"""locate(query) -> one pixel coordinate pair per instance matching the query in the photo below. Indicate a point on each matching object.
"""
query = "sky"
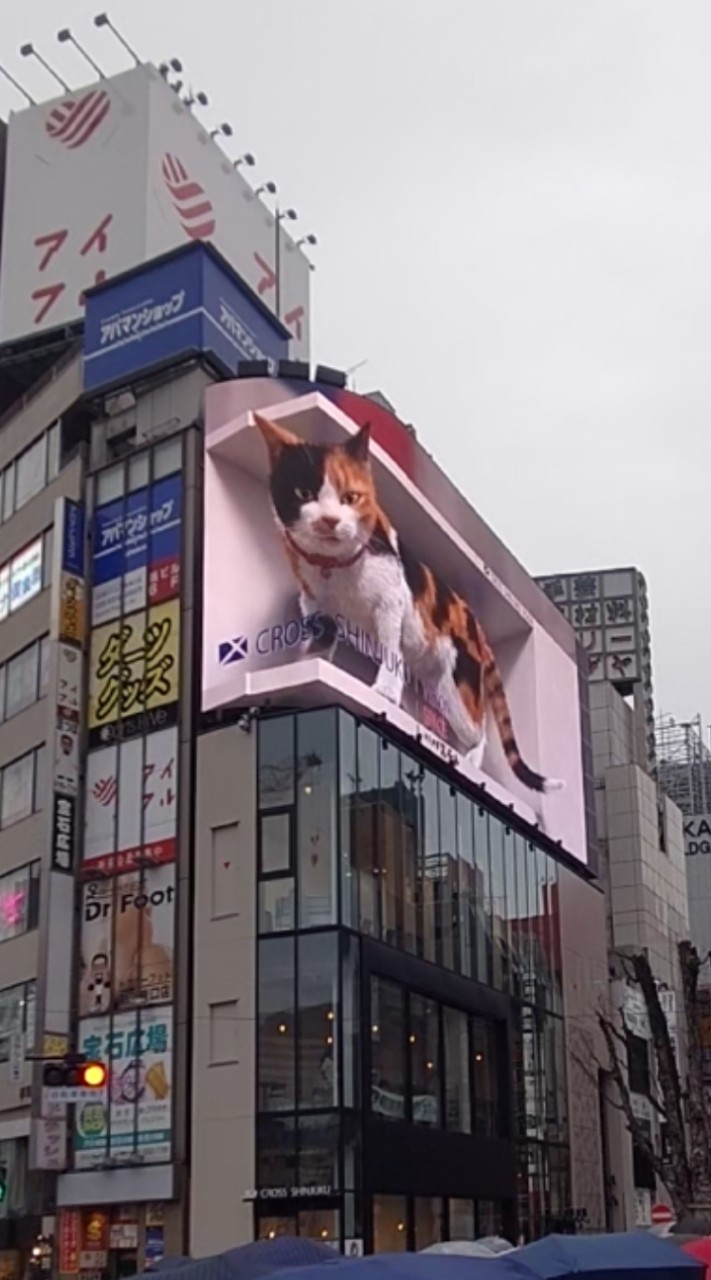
(512, 200)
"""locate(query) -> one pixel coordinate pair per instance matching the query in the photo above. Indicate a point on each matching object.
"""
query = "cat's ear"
(357, 446)
(276, 438)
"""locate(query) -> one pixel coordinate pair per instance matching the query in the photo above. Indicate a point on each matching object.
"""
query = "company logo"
(75, 120)
(105, 791)
(229, 651)
(192, 205)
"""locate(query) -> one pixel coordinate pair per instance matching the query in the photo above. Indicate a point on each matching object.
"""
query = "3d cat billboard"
(331, 576)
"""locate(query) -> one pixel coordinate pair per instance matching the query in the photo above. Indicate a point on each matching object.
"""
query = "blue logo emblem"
(229, 651)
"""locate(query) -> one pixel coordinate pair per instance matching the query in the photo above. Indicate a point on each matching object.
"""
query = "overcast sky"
(513, 206)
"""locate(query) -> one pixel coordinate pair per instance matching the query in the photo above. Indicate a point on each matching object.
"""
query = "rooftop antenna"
(16, 84)
(65, 36)
(29, 51)
(103, 20)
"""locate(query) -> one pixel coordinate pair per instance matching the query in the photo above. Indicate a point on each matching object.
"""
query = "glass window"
(366, 830)
(423, 1042)
(524, 938)
(512, 912)
(389, 844)
(348, 787)
(168, 457)
(318, 1021)
(41, 779)
(387, 1050)
(275, 843)
(318, 1150)
(277, 1025)
(44, 665)
(276, 1151)
(275, 1228)
(276, 762)
(498, 903)
(15, 903)
(316, 817)
(351, 1023)
(31, 471)
(410, 788)
(3, 677)
(320, 1224)
(431, 869)
(18, 789)
(389, 1224)
(54, 444)
(456, 1072)
(110, 484)
(461, 1220)
(486, 1076)
(33, 904)
(12, 1006)
(467, 888)
(138, 472)
(30, 1012)
(448, 938)
(483, 902)
(428, 1221)
(22, 680)
(276, 906)
(8, 494)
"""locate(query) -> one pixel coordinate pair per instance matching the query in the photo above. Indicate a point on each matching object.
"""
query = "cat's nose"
(328, 523)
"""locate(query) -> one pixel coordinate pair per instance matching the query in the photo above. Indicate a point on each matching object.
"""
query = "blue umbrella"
(639, 1255)
(417, 1266)
(251, 1261)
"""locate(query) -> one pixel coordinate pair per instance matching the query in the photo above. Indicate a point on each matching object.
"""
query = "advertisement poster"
(69, 1241)
(127, 926)
(362, 591)
(138, 1049)
(136, 550)
(93, 1255)
(120, 832)
(134, 674)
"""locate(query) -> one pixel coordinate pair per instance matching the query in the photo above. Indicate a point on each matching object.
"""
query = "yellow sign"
(54, 1046)
(135, 665)
(71, 609)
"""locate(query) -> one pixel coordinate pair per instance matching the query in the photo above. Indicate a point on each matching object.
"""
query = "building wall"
(224, 1047)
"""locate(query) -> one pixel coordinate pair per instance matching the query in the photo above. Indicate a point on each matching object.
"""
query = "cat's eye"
(350, 497)
(304, 495)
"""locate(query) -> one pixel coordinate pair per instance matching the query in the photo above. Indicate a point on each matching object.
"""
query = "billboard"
(697, 847)
(21, 578)
(362, 591)
(610, 612)
(127, 941)
(136, 550)
(190, 301)
(131, 804)
(134, 671)
(110, 176)
(132, 1116)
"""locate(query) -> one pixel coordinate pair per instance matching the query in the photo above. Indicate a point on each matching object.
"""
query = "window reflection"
(366, 831)
(423, 1042)
(318, 1025)
(389, 1224)
(456, 1071)
(428, 1221)
(277, 1025)
(316, 817)
(348, 776)
(486, 1076)
(387, 1050)
(389, 841)
(483, 897)
(461, 1220)
(276, 762)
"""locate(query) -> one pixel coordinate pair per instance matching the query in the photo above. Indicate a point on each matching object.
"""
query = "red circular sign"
(661, 1214)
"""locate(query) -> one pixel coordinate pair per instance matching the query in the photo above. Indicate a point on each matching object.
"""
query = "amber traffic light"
(63, 1074)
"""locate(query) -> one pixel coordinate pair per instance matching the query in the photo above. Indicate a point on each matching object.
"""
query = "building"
(340, 968)
(641, 854)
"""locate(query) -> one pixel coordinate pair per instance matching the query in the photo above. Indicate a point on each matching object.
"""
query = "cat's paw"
(389, 686)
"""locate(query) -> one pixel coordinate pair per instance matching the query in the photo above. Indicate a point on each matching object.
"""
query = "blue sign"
(73, 543)
(136, 549)
(186, 303)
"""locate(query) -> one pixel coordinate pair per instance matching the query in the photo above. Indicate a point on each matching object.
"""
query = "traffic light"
(71, 1075)
(3, 1184)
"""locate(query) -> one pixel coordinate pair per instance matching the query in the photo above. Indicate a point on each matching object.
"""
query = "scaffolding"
(684, 763)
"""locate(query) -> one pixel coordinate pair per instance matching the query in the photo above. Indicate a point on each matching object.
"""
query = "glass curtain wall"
(358, 837)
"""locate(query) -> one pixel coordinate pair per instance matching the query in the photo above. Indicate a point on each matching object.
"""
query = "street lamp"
(16, 85)
(65, 36)
(281, 215)
(224, 130)
(29, 51)
(247, 159)
(103, 20)
(268, 187)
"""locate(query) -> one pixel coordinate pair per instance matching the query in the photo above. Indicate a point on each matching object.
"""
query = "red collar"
(325, 563)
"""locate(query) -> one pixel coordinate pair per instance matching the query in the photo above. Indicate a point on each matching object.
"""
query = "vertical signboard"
(127, 911)
(48, 1146)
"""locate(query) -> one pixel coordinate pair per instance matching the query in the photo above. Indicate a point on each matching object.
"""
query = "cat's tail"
(499, 704)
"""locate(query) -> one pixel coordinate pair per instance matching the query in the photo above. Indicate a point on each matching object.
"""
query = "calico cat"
(347, 560)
